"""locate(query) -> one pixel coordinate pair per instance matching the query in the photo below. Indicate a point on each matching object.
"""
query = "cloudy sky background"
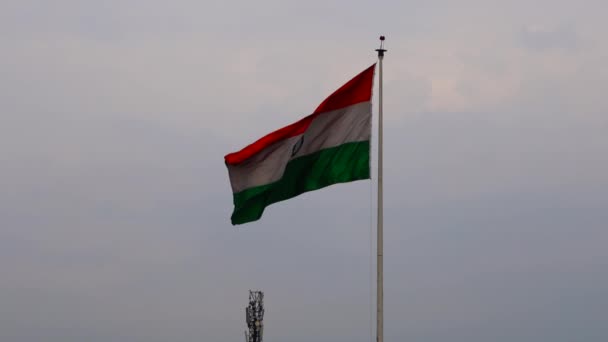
(114, 200)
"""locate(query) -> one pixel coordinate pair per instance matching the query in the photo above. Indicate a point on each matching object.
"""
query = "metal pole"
(380, 241)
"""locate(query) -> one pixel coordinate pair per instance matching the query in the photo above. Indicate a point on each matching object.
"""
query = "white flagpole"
(380, 242)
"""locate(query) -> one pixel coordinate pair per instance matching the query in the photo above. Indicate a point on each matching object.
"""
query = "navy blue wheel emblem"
(298, 145)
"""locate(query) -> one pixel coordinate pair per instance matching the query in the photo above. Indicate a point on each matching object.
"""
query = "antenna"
(254, 317)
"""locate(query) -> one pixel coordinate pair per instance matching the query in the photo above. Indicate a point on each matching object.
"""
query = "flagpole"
(380, 239)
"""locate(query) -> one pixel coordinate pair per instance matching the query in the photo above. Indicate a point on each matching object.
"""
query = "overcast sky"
(115, 116)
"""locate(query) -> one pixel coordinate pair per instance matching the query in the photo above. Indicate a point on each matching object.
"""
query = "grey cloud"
(564, 37)
(115, 203)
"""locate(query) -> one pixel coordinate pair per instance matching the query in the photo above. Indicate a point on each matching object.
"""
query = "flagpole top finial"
(381, 50)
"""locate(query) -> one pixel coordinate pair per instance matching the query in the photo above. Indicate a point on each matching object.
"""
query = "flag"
(329, 146)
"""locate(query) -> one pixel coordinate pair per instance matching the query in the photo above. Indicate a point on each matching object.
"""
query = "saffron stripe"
(358, 89)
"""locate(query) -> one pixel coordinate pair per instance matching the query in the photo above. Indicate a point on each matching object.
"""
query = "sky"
(115, 116)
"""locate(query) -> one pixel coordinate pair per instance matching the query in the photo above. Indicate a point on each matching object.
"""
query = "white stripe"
(331, 129)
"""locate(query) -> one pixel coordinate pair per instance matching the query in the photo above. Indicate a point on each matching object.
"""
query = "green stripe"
(344, 163)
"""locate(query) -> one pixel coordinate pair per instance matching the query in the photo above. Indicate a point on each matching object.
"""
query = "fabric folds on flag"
(330, 146)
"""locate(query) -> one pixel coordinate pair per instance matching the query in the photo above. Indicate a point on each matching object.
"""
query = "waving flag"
(330, 146)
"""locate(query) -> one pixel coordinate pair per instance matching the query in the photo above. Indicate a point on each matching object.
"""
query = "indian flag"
(331, 145)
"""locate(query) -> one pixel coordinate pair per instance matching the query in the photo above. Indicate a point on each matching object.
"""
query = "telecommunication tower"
(254, 315)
